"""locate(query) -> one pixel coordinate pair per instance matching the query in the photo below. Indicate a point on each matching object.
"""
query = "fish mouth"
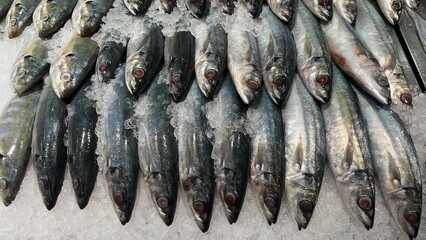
(5, 193)
(202, 214)
(165, 208)
(49, 197)
(232, 204)
(123, 206)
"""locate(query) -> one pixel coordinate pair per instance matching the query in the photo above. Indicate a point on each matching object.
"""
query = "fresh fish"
(420, 24)
(254, 7)
(305, 152)
(267, 156)
(144, 56)
(76, 60)
(120, 151)
(16, 124)
(284, 9)
(49, 152)
(278, 57)
(210, 59)
(231, 148)
(348, 150)
(396, 165)
(4, 7)
(228, 6)
(347, 9)
(20, 16)
(50, 15)
(244, 64)
(372, 30)
(196, 168)
(168, 5)
(158, 155)
(323, 9)
(391, 9)
(110, 56)
(179, 58)
(313, 56)
(82, 143)
(137, 7)
(31, 67)
(198, 8)
(87, 15)
(411, 3)
(351, 56)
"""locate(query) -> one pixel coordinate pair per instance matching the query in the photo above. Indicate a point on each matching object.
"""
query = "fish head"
(208, 77)
(46, 18)
(381, 89)
(277, 79)
(178, 80)
(136, 73)
(168, 5)
(254, 7)
(325, 9)
(66, 75)
(17, 19)
(87, 19)
(284, 9)
(350, 11)
(82, 181)
(8, 180)
(198, 8)
(228, 6)
(393, 11)
(105, 68)
(248, 83)
(318, 80)
(136, 7)
(25, 72)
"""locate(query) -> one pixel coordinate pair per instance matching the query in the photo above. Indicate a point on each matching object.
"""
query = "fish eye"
(66, 76)
(397, 6)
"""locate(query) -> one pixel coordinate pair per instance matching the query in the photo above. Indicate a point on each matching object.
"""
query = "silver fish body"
(420, 24)
(198, 8)
(137, 7)
(323, 9)
(347, 9)
(305, 152)
(20, 16)
(391, 9)
(284, 9)
(76, 59)
(87, 15)
(4, 7)
(313, 56)
(110, 56)
(413, 4)
(210, 59)
(16, 124)
(348, 150)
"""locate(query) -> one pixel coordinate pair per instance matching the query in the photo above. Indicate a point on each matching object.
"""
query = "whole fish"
(168, 5)
(87, 15)
(16, 124)
(20, 16)
(179, 58)
(420, 24)
(196, 168)
(4, 7)
(347, 9)
(75, 61)
(313, 56)
(158, 155)
(278, 57)
(323, 9)
(244, 64)
(372, 30)
(82, 143)
(137, 7)
(210, 59)
(228, 6)
(267, 158)
(351, 56)
(284, 9)
(31, 67)
(305, 152)
(50, 15)
(348, 150)
(396, 165)
(391, 9)
(411, 3)
(231, 148)
(144, 56)
(120, 151)
(110, 56)
(49, 152)
(254, 7)
(198, 8)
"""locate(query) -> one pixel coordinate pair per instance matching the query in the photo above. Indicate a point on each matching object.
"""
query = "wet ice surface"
(27, 217)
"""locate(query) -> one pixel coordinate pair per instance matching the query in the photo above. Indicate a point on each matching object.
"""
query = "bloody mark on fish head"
(230, 199)
(324, 3)
(253, 85)
(162, 202)
(406, 99)
(365, 203)
(175, 79)
(323, 80)
(411, 218)
(199, 207)
(339, 60)
(3, 184)
(193, 1)
(269, 202)
(103, 67)
(210, 74)
(223, 1)
(138, 73)
(186, 186)
(306, 207)
(120, 200)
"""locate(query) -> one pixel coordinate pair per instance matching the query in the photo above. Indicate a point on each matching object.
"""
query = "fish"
(348, 150)
(4, 7)
(82, 143)
(347, 9)
(179, 58)
(284, 9)
(157, 147)
(305, 152)
(413, 4)
(31, 67)
(313, 55)
(372, 30)
(144, 57)
(391, 9)
(355, 60)
(120, 151)
(50, 15)
(196, 167)
(420, 24)
(198, 8)
(137, 7)
(87, 15)
(228, 6)
(168, 5)
(231, 148)
(322, 9)
(111, 54)
(19, 16)
(48, 150)
(210, 59)
(396, 165)
(244, 64)
(16, 124)
(267, 158)
(76, 59)
(278, 57)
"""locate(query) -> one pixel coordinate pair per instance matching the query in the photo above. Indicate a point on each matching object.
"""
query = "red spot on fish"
(199, 207)
(230, 199)
(323, 80)
(193, 1)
